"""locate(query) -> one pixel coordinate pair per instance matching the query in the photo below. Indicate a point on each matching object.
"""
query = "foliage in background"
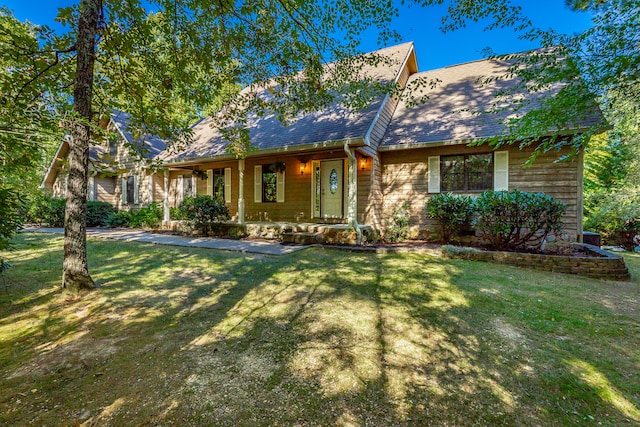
(452, 212)
(512, 220)
(398, 228)
(45, 209)
(204, 211)
(23, 146)
(617, 216)
(11, 206)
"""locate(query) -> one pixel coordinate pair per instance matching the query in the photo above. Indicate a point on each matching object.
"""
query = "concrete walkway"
(134, 235)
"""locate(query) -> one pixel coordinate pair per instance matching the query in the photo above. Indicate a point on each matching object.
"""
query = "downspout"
(352, 201)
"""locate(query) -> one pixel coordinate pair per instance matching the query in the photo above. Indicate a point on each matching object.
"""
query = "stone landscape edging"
(603, 265)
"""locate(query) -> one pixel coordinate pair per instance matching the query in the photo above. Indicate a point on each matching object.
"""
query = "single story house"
(337, 166)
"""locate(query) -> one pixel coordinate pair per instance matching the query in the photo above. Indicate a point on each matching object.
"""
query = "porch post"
(167, 216)
(241, 191)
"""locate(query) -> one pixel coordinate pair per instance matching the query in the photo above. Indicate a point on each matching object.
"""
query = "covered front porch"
(290, 197)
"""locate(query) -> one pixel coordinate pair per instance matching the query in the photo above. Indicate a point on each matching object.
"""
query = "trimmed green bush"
(118, 219)
(48, 210)
(452, 212)
(512, 220)
(97, 213)
(204, 211)
(149, 217)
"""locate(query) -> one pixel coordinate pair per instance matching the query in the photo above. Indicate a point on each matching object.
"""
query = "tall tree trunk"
(75, 271)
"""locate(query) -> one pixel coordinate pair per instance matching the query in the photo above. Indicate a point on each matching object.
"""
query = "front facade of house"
(336, 166)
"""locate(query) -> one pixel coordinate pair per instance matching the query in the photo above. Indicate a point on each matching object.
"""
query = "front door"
(331, 186)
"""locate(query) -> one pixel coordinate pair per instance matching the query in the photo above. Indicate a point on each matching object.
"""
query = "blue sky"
(420, 25)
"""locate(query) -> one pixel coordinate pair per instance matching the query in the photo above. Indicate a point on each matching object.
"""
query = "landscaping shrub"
(617, 217)
(398, 230)
(176, 214)
(453, 213)
(48, 210)
(204, 211)
(512, 220)
(117, 219)
(97, 213)
(149, 217)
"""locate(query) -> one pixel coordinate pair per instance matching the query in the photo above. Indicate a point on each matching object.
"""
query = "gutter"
(314, 146)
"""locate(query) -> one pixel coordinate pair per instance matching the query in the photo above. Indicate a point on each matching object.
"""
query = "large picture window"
(466, 172)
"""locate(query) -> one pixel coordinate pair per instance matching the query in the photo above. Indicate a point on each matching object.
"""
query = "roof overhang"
(290, 149)
(467, 141)
(49, 176)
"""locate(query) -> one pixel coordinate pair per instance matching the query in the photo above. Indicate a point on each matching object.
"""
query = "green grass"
(178, 336)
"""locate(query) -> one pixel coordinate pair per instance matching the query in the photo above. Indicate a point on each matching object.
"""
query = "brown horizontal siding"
(105, 189)
(405, 179)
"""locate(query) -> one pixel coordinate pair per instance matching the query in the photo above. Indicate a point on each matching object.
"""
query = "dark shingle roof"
(332, 124)
(451, 112)
(151, 144)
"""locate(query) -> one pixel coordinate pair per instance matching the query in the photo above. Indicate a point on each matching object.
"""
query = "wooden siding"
(405, 179)
(297, 204)
(105, 189)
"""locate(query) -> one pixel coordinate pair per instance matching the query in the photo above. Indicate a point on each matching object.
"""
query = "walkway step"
(301, 238)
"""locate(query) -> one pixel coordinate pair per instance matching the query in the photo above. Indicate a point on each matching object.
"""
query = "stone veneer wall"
(602, 265)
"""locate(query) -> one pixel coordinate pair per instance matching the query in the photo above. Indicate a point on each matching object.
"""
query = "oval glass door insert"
(333, 181)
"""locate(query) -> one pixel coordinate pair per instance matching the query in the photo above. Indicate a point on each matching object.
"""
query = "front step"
(301, 238)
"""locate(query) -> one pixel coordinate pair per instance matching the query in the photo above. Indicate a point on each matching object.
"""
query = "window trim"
(466, 173)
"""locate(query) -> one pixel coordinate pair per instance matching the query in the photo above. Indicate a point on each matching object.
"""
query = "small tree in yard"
(512, 220)
(204, 211)
(398, 229)
(450, 211)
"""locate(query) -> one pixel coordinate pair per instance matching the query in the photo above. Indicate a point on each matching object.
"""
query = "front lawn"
(179, 336)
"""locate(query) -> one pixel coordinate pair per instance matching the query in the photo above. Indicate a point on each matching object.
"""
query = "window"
(130, 190)
(187, 186)
(217, 180)
(269, 185)
(466, 172)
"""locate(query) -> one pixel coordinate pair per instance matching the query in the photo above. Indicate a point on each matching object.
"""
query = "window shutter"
(501, 171)
(124, 190)
(92, 189)
(434, 174)
(136, 190)
(257, 184)
(209, 182)
(151, 188)
(194, 186)
(227, 185)
(280, 187)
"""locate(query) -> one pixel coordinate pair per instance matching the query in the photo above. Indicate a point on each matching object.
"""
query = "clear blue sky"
(420, 25)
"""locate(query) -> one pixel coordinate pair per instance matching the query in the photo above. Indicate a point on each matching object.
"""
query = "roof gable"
(335, 123)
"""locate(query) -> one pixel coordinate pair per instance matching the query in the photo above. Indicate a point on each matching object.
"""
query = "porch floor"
(289, 232)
